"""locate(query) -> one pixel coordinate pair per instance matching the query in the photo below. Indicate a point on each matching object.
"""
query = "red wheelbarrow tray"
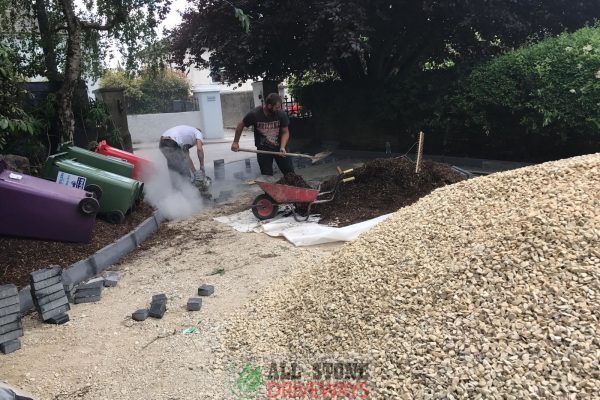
(288, 194)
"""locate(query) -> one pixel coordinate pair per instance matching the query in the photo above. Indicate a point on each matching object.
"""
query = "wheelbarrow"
(266, 205)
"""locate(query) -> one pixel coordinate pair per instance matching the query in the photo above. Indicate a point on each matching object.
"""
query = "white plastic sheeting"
(298, 233)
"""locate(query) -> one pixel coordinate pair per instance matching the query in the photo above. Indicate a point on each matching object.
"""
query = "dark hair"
(272, 99)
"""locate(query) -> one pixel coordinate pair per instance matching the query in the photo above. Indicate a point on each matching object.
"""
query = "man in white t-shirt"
(175, 144)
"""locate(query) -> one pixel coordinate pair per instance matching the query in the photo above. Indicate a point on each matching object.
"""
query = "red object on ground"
(141, 166)
(288, 194)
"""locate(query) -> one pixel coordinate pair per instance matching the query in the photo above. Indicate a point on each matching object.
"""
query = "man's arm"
(238, 134)
(189, 162)
(285, 137)
(200, 152)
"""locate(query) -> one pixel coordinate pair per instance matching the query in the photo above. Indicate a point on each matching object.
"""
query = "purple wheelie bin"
(40, 209)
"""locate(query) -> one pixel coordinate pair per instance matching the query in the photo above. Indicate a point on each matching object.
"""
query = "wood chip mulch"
(19, 257)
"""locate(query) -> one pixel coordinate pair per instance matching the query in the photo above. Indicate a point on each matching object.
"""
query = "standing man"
(271, 133)
(175, 145)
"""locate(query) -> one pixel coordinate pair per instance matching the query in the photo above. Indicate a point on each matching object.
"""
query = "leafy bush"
(546, 94)
(151, 91)
(18, 130)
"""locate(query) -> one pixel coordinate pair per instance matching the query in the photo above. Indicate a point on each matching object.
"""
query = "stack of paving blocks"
(89, 292)
(10, 319)
(48, 294)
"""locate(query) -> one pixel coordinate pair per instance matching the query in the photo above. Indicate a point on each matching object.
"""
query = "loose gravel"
(488, 288)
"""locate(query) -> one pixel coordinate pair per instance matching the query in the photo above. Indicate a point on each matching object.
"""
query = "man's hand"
(282, 151)
(199, 175)
(235, 146)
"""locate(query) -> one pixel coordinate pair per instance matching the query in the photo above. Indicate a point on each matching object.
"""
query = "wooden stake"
(420, 152)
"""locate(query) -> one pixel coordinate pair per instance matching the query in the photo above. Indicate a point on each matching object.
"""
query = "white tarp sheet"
(298, 233)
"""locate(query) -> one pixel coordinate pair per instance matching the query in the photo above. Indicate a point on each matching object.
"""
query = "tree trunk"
(66, 119)
(47, 40)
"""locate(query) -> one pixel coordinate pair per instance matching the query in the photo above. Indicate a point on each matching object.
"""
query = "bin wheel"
(89, 206)
(95, 190)
(115, 217)
(264, 207)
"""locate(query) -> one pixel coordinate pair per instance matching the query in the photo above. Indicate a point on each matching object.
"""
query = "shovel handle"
(275, 153)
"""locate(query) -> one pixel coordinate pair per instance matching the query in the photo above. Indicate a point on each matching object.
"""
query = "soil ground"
(19, 257)
(103, 354)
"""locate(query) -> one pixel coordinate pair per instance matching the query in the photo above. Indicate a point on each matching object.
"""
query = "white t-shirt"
(184, 135)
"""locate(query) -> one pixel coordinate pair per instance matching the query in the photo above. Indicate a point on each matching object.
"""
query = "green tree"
(59, 40)
(361, 40)
(549, 89)
(14, 121)
(149, 91)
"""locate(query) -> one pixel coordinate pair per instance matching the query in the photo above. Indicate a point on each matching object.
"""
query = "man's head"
(272, 103)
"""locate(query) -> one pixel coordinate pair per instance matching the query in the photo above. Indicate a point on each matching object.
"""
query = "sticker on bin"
(74, 181)
(15, 176)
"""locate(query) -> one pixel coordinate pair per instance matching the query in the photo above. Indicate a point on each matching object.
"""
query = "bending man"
(175, 145)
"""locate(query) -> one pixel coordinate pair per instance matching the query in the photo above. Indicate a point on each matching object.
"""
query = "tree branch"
(96, 26)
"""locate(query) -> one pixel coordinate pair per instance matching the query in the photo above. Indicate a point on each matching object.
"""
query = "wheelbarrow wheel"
(264, 207)
(95, 190)
(115, 217)
(89, 206)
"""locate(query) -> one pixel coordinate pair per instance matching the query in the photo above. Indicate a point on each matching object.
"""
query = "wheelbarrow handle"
(275, 153)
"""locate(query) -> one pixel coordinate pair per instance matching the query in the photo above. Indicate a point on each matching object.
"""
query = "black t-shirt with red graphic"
(267, 129)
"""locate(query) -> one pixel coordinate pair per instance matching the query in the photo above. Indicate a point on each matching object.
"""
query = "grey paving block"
(206, 290)
(7, 319)
(194, 304)
(8, 290)
(92, 283)
(112, 253)
(25, 299)
(53, 313)
(39, 293)
(157, 310)
(111, 280)
(46, 283)
(159, 217)
(11, 335)
(9, 301)
(46, 273)
(80, 271)
(89, 292)
(58, 320)
(15, 308)
(50, 298)
(145, 229)
(10, 347)
(53, 305)
(13, 326)
(159, 298)
(140, 315)
(89, 299)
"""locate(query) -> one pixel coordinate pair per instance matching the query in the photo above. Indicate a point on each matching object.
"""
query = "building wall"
(234, 106)
(146, 128)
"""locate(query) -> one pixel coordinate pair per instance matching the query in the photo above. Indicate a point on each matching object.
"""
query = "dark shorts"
(176, 161)
(265, 162)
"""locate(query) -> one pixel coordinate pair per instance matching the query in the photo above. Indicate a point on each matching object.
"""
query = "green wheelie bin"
(93, 159)
(117, 194)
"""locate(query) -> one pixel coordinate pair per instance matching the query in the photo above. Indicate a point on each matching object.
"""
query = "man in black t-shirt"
(271, 133)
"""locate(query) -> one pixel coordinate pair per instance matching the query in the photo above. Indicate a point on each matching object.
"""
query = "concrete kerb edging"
(100, 260)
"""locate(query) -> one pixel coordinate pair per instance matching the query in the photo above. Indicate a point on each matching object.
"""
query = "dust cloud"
(173, 196)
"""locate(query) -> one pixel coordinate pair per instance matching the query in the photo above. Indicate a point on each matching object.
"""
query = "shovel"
(317, 157)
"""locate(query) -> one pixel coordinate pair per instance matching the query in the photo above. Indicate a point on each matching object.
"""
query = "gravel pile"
(487, 288)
